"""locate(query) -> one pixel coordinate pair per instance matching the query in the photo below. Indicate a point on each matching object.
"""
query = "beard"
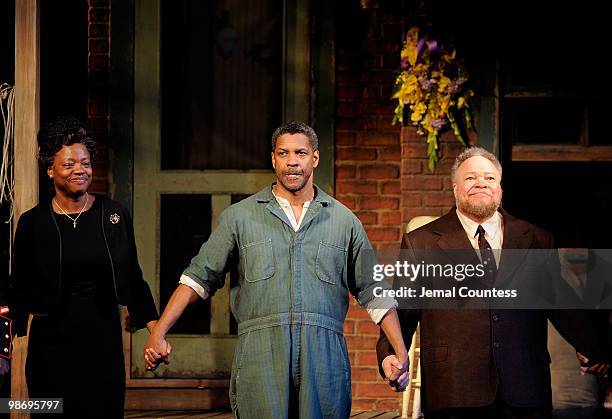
(480, 211)
(293, 187)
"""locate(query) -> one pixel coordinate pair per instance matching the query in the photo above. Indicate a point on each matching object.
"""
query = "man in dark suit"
(484, 363)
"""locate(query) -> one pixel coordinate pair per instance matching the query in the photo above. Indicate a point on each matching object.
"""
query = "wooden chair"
(413, 391)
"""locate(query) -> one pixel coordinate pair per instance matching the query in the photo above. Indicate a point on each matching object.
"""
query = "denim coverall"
(290, 303)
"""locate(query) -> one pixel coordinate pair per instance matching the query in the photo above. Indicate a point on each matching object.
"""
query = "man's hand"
(600, 370)
(151, 326)
(396, 371)
(608, 398)
(157, 350)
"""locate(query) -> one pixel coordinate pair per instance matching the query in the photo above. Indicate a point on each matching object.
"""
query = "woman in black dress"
(74, 262)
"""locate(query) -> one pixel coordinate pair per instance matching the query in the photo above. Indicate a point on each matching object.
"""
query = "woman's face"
(71, 170)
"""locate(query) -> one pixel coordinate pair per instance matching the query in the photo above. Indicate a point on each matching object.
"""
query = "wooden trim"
(552, 94)
(296, 86)
(487, 121)
(176, 399)
(27, 87)
(178, 383)
(121, 135)
(27, 101)
(561, 153)
(323, 92)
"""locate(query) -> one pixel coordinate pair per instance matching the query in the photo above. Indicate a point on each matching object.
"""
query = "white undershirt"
(286, 207)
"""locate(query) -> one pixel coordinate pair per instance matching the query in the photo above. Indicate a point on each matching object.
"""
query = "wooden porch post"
(27, 82)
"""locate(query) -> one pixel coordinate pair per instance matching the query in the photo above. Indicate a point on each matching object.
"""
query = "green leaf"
(468, 120)
(457, 132)
(398, 114)
(433, 161)
(432, 151)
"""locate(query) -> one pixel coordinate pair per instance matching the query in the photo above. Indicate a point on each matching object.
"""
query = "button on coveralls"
(290, 303)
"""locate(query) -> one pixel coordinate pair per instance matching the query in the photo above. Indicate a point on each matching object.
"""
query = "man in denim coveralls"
(299, 252)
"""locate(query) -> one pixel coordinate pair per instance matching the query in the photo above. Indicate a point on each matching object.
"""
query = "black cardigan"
(36, 280)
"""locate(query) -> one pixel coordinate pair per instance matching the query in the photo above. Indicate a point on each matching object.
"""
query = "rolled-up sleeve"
(209, 266)
(362, 284)
(185, 280)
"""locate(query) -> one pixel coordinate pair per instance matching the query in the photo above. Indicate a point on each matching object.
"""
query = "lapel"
(518, 237)
(453, 240)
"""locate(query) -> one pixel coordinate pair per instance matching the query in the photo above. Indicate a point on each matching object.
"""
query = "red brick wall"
(381, 174)
(98, 88)
(423, 192)
(368, 174)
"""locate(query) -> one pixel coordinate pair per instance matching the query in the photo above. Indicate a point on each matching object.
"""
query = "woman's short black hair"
(61, 131)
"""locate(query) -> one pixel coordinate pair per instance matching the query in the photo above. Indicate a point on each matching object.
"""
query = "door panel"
(177, 155)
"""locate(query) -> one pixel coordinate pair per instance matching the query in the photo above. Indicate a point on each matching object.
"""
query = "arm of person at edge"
(157, 348)
(599, 320)
(396, 367)
(389, 361)
(599, 369)
(583, 329)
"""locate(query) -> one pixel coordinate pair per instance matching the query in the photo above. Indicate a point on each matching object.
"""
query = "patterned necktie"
(486, 254)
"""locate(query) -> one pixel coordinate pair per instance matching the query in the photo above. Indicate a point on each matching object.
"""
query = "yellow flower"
(444, 81)
(445, 104)
(417, 111)
(424, 87)
(410, 49)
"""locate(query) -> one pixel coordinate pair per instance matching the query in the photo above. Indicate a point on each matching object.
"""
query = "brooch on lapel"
(114, 218)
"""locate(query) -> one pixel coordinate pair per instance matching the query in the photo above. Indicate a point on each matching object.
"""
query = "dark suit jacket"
(468, 355)
(36, 280)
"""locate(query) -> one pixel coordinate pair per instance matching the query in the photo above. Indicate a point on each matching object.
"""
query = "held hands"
(608, 399)
(396, 369)
(157, 349)
(600, 370)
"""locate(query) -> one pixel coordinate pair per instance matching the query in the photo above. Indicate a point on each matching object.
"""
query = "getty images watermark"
(520, 279)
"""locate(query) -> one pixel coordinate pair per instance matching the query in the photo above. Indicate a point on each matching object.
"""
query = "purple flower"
(455, 85)
(425, 83)
(405, 64)
(437, 124)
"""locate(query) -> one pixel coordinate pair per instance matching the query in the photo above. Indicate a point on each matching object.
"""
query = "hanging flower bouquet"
(433, 92)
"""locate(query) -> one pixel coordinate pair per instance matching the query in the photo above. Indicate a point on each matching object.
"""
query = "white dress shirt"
(494, 232)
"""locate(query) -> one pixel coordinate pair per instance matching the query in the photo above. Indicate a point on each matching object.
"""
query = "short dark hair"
(61, 131)
(296, 127)
(473, 152)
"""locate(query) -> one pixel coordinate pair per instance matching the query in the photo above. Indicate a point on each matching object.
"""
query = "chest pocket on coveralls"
(330, 262)
(258, 260)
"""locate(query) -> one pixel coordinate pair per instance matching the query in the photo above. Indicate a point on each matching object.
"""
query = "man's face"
(293, 160)
(477, 188)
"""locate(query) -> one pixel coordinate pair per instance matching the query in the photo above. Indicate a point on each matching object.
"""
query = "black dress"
(76, 352)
